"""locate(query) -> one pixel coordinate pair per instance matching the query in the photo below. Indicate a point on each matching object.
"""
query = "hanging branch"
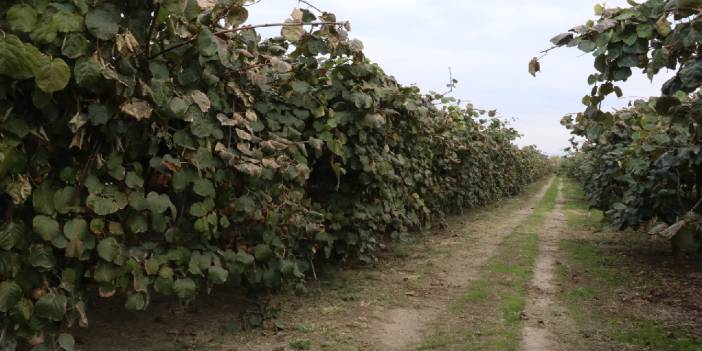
(238, 29)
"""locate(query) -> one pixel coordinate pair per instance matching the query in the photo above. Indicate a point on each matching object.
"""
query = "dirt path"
(546, 320)
(392, 306)
(474, 243)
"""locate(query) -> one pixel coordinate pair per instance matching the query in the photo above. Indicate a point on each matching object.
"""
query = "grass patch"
(301, 344)
(496, 300)
(435, 342)
(581, 293)
(650, 336)
(602, 267)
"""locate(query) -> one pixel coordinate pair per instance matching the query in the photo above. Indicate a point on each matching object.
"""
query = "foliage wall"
(162, 147)
(643, 162)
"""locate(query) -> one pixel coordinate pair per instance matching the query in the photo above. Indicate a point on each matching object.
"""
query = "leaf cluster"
(160, 147)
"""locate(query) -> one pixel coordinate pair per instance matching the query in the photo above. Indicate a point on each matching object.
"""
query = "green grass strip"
(496, 300)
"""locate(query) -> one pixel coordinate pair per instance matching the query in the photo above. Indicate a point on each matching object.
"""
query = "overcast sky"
(488, 45)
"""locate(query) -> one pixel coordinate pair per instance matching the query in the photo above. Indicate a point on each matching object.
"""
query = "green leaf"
(102, 206)
(175, 7)
(11, 232)
(17, 127)
(263, 252)
(587, 46)
(184, 289)
(52, 307)
(245, 204)
(207, 43)
(67, 22)
(138, 224)
(19, 60)
(244, 258)
(67, 342)
(46, 227)
(151, 266)
(237, 15)
(10, 295)
(103, 22)
(622, 73)
(64, 200)
(293, 33)
(41, 256)
(44, 33)
(217, 275)
(644, 31)
(43, 199)
(76, 229)
(98, 114)
(87, 72)
(201, 209)
(663, 26)
(135, 302)
(22, 18)
(164, 286)
(134, 181)
(54, 76)
(10, 264)
(184, 139)
(204, 188)
(75, 45)
(109, 250)
(159, 203)
(23, 309)
(178, 106)
(104, 272)
(300, 86)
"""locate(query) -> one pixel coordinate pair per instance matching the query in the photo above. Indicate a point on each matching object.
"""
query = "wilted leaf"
(138, 109)
(292, 32)
(534, 66)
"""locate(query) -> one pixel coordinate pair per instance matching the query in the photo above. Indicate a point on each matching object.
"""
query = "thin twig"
(545, 52)
(84, 173)
(238, 29)
(451, 84)
(151, 29)
(314, 271)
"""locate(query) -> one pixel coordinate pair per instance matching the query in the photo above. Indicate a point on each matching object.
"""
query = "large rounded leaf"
(54, 76)
(52, 307)
(11, 233)
(103, 22)
(109, 249)
(46, 227)
(41, 256)
(184, 288)
(10, 294)
(22, 18)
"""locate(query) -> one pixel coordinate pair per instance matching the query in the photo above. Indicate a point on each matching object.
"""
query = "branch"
(151, 29)
(238, 29)
(545, 52)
